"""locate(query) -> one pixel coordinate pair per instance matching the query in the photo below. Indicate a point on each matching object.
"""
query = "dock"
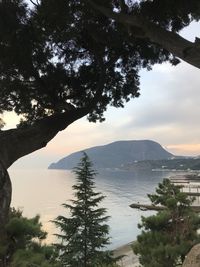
(145, 207)
(188, 184)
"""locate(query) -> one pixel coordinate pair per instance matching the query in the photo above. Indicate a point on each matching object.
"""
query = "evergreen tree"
(84, 234)
(23, 244)
(167, 236)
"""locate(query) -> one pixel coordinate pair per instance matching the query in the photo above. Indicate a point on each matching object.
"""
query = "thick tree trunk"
(16, 143)
(171, 41)
(5, 199)
(5, 194)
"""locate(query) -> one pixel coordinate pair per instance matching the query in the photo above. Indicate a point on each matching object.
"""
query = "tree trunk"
(16, 143)
(5, 199)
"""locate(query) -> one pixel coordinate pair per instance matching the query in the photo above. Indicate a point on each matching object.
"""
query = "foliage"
(39, 256)
(167, 236)
(171, 15)
(84, 234)
(23, 247)
(59, 55)
(49, 67)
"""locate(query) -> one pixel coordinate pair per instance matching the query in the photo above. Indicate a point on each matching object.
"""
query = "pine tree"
(84, 234)
(23, 246)
(167, 236)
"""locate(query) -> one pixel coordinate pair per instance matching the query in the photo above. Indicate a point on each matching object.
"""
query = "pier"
(145, 207)
(188, 184)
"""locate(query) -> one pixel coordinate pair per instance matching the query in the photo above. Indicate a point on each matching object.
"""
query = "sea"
(42, 191)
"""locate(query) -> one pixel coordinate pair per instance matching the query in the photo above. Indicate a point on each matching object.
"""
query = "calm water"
(43, 191)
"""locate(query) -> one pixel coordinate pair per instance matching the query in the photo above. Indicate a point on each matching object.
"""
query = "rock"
(193, 257)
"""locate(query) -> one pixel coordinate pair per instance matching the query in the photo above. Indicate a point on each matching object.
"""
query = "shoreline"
(130, 259)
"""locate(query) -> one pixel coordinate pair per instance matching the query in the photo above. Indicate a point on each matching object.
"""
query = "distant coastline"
(174, 170)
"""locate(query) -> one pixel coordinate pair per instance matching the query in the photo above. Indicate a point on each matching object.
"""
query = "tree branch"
(16, 143)
(171, 41)
(35, 4)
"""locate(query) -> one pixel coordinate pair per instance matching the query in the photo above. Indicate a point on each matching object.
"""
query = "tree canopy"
(61, 55)
(156, 23)
(51, 60)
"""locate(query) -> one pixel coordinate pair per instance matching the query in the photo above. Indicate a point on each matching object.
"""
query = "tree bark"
(171, 41)
(5, 199)
(16, 143)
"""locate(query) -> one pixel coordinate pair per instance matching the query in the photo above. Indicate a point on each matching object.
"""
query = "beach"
(130, 259)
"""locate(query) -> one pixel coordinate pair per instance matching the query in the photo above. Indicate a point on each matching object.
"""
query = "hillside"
(116, 155)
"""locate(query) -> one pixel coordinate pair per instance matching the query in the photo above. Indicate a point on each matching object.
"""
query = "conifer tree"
(168, 236)
(84, 234)
(23, 246)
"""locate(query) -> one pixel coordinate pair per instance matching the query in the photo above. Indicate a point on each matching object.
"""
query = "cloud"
(171, 102)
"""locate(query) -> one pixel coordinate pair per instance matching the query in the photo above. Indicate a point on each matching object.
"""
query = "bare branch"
(34, 3)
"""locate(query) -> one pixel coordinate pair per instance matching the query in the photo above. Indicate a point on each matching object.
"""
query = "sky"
(167, 112)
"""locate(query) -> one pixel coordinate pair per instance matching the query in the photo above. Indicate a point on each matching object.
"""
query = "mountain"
(116, 155)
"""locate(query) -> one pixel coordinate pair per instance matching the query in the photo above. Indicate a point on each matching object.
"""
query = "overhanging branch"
(16, 143)
(171, 41)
